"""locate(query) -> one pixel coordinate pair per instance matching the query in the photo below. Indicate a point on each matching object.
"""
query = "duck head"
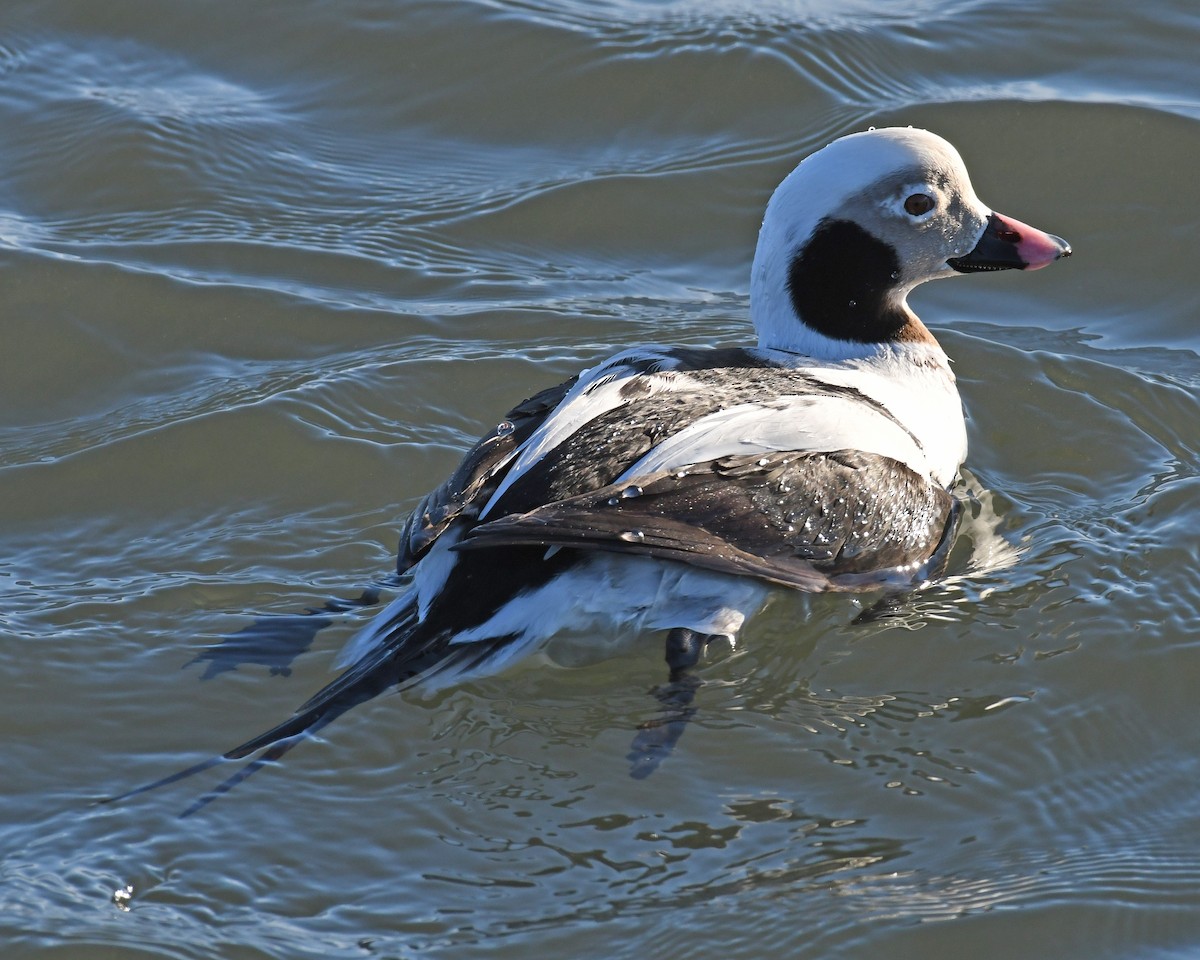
(859, 224)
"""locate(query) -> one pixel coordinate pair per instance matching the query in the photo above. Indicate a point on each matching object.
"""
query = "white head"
(861, 222)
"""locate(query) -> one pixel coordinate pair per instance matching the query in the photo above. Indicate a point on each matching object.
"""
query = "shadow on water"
(276, 640)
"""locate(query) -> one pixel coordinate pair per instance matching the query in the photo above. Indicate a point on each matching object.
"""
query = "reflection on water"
(266, 276)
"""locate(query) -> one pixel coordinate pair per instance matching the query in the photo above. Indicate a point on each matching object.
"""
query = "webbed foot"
(656, 738)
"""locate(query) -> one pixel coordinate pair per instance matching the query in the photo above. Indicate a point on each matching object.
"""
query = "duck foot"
(656, 738)
(891, 606)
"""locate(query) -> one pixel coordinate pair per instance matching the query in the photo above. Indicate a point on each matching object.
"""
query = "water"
(269, 268)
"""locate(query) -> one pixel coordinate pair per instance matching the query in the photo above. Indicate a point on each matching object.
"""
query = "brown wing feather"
(830, 521)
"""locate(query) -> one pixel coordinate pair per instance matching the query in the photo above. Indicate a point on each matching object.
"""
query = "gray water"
(269, 268)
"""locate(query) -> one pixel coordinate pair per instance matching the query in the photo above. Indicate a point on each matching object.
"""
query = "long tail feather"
(400, 655)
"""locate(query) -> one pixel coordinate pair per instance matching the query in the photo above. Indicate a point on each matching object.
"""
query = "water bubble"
(633, 536)
(122, 896)
(613, 501)
(504, 428)
(633, 490)
(853, 303)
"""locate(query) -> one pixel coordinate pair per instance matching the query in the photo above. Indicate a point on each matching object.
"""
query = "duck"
(673, 489)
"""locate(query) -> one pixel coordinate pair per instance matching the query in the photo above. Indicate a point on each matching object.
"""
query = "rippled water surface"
(268, 268)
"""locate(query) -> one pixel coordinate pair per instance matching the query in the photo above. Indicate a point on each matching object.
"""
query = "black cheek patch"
(839, 281)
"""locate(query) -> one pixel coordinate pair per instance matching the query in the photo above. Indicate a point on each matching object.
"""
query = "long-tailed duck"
(671, 488)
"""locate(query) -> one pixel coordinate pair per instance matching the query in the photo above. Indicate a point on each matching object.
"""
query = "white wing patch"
(808, 422)
(598, 391)
(920, 395)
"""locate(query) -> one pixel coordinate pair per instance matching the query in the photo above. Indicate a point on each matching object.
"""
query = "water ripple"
(270, 268)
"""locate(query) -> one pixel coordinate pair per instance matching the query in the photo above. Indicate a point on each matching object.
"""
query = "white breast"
(917, 387)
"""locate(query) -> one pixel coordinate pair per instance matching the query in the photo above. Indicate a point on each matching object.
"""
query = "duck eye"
(918, 204)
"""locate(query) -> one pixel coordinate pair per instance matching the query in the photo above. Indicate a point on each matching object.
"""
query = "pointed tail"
(400, 653)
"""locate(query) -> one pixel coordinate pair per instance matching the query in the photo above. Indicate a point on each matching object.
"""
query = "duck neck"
(840, 295)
